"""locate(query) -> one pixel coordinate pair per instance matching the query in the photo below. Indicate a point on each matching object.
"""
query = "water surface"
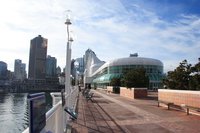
(14, 111)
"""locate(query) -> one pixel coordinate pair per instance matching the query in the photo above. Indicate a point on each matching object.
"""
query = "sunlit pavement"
(112, 113)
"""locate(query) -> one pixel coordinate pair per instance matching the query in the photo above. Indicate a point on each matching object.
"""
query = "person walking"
(89, 87)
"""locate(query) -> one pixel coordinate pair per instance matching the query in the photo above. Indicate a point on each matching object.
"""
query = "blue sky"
(167, 30)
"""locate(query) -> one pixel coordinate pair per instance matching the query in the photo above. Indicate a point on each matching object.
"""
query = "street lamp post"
(77, 78)
(67, 18)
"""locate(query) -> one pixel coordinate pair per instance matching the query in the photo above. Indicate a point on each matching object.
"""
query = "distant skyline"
(167, 30)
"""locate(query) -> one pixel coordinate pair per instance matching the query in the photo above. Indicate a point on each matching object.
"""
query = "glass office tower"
(51, 63)
(3, 69)
(37, 58)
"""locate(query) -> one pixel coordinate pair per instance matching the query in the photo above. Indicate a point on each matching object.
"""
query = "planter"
(110, 88)
(113, 89)
(133, 92)
(181, 98)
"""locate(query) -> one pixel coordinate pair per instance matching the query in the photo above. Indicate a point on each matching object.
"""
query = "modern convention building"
(115, 68)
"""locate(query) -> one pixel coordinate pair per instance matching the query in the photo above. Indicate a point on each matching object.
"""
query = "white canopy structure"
(92, 64)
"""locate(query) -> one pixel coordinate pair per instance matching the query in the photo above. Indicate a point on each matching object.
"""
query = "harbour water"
(14, 111)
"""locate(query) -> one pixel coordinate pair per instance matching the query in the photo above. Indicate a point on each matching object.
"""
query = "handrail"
(56, 118)
(48, 114)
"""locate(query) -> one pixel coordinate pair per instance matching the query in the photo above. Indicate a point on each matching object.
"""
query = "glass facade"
(51, 63)
(123, 68)
(155, 73)
(3, 69)
(37, 58)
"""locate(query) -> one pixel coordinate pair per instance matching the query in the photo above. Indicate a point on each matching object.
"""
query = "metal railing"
(56, 117)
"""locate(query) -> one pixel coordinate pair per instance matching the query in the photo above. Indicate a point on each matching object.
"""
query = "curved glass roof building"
(115, 68)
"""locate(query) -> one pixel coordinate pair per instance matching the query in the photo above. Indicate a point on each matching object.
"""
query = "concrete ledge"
(179, 91)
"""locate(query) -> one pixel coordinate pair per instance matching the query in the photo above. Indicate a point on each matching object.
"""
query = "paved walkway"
(111, 113)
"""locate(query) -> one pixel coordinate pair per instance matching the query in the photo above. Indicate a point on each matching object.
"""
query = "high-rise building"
(51, 63)
(3, 69)
(58, 70)
(80, 67)
(19, 70)
(73, 69)
(24, 70)
(37, 58)
(81, 64)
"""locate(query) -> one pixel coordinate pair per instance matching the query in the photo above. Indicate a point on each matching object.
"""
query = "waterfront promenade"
(112, 113)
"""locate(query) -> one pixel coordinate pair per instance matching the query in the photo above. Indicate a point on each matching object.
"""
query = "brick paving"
(112, 113)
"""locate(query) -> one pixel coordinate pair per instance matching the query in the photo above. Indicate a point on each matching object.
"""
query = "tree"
(180, 77)
(116, 81)
(194, 82)
(136, 78)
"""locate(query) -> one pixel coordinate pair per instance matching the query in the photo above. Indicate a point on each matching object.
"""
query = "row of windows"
(149, 69)
(121, 69)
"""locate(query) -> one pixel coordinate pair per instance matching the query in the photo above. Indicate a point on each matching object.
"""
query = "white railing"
(56, 117)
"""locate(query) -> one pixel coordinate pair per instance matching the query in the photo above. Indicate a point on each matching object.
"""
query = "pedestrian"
(79, 87)
(89, 87)
(86, 90)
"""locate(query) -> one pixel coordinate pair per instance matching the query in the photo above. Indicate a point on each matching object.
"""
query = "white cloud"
(109, 28)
